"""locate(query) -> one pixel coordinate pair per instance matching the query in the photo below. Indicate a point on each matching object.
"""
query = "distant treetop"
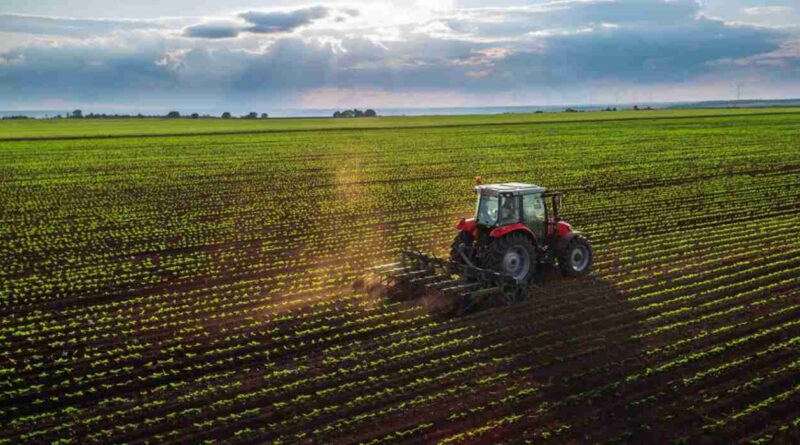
(355, 112)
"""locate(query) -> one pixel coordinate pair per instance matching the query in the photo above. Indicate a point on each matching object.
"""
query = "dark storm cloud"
(276, 22)
(67, 27)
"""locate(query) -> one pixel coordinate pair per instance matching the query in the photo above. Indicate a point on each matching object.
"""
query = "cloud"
(282, 21)
(638, 54)
(570, 15)
(767, 10)
(213, 30)
(68, 27)
(258, 22)
(783, 63)
(85, 73)
(352, 12)
(553, 48)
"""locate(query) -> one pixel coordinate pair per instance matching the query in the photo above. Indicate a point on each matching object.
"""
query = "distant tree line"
(355, 112)
(78, 114)
(635, 108)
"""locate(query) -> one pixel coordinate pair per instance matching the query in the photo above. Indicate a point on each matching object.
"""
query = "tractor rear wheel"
(512, 255)
(576, 259)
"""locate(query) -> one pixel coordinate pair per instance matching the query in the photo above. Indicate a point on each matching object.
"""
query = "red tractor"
(516, 233)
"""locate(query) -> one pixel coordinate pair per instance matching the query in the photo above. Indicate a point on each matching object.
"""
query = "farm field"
(195, 285)
(70, 128)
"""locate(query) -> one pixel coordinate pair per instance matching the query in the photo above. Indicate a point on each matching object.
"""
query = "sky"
(153, 55)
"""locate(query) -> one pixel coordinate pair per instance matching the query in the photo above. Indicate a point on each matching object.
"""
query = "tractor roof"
(515, 188)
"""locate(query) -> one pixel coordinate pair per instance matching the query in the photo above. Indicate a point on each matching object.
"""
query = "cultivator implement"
(448, 285)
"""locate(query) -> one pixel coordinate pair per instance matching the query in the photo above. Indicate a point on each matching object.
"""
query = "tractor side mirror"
(556, 204)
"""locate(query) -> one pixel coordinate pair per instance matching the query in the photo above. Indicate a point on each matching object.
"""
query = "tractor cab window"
(487, 210)
(533, 214)
(494, 210)
(509, 213)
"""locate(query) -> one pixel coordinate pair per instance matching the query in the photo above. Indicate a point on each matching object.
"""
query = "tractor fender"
(468, 226)
(563, 242)
(505, 230)
(563, 228)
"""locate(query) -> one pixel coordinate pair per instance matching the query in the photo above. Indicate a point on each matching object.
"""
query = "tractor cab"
(513, 203)
(501, 205)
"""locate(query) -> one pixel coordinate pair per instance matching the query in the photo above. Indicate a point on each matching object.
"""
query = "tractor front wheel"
(576, 259)
(512, 255)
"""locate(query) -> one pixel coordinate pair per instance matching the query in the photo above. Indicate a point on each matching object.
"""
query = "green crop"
(191, 280)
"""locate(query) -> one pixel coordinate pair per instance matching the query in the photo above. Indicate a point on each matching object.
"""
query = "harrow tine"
(428, 280)
(462, 287)
(443, 284)
(386, 266)
(398, 270)
(410, 274)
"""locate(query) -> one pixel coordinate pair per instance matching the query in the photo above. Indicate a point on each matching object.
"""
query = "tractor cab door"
(534, 215)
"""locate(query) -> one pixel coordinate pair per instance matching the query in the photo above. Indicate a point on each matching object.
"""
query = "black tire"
(576, 259)
(463, 239)
(500, 255)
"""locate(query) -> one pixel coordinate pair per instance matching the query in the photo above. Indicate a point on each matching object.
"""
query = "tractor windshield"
(487, 210)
